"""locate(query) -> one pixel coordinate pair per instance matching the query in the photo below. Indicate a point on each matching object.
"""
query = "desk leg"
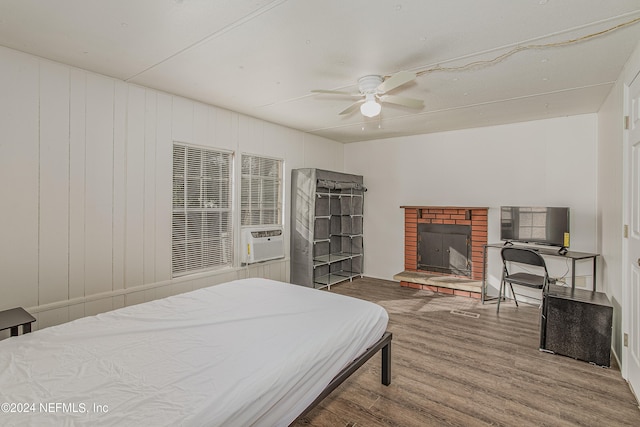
(573, 274)
(484, 275)
(543, 322)
(594, 273)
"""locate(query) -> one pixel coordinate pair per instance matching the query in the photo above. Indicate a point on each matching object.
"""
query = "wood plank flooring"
(456, 369)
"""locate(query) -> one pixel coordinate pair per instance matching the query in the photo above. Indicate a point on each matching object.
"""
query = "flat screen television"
(538, 225)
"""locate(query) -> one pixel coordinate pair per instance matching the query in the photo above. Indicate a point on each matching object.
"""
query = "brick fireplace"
(443, 248)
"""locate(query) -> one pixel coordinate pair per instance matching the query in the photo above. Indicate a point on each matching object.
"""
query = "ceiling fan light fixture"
(374, 88)
(370, 108)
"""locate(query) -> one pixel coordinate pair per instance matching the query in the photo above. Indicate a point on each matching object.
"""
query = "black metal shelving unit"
(331, 205)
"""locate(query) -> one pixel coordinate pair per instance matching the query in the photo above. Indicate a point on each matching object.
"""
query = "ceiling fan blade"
(398, 79)
(351, 108)
(401, 100)
(335, 92)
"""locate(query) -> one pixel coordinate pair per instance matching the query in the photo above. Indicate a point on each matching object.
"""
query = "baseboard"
(380, 278)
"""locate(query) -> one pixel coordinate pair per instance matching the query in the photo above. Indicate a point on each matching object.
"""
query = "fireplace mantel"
(445, 207)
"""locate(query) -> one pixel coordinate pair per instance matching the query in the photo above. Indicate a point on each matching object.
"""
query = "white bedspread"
(248, 352)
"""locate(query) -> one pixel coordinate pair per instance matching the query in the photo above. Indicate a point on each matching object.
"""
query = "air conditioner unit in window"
(262, 244)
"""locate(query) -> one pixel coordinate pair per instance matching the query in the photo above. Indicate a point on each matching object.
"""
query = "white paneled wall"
(19, 166)
(85, 163)
(134, 189)
(77, 137)
(53, 192)
(98, 185)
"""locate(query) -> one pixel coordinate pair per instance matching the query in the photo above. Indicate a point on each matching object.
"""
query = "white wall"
(610, 194)
(85, 166)
(541, 163)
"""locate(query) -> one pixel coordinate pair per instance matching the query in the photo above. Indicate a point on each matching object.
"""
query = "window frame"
(247, 211)
(202, 231)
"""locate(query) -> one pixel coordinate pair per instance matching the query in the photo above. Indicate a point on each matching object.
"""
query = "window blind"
(202, 223)
(261, 191)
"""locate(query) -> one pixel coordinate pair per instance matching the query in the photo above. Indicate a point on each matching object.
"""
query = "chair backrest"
(523, 256)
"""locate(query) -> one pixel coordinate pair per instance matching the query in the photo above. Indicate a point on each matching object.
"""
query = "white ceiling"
(263, 57)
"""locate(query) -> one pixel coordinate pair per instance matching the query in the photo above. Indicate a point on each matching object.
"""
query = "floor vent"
(465, 314)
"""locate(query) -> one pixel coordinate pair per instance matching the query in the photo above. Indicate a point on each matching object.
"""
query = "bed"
(247, 352)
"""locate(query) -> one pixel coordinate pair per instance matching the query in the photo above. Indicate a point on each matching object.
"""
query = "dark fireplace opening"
(444, 248)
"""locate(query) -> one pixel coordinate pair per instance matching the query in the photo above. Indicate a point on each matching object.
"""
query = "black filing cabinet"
(577, 323)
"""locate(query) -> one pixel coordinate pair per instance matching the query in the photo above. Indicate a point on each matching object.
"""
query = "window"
(261, 191)
(532, 223)
(201, 221)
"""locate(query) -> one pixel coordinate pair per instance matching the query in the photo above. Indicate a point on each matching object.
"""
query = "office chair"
(511, 257)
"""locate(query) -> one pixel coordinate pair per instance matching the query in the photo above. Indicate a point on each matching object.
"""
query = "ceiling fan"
(373, 90)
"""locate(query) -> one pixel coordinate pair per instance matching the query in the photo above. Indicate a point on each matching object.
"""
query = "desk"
(15, 317)
(572, 255)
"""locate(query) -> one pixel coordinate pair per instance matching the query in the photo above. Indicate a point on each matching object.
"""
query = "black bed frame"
(383, 344)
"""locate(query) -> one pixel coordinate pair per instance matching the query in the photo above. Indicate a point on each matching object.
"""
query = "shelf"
(351, 235)
(337, 195)
(331, 258)
(336, 277)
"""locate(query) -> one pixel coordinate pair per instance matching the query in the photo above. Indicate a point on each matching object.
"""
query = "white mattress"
(248, 352)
